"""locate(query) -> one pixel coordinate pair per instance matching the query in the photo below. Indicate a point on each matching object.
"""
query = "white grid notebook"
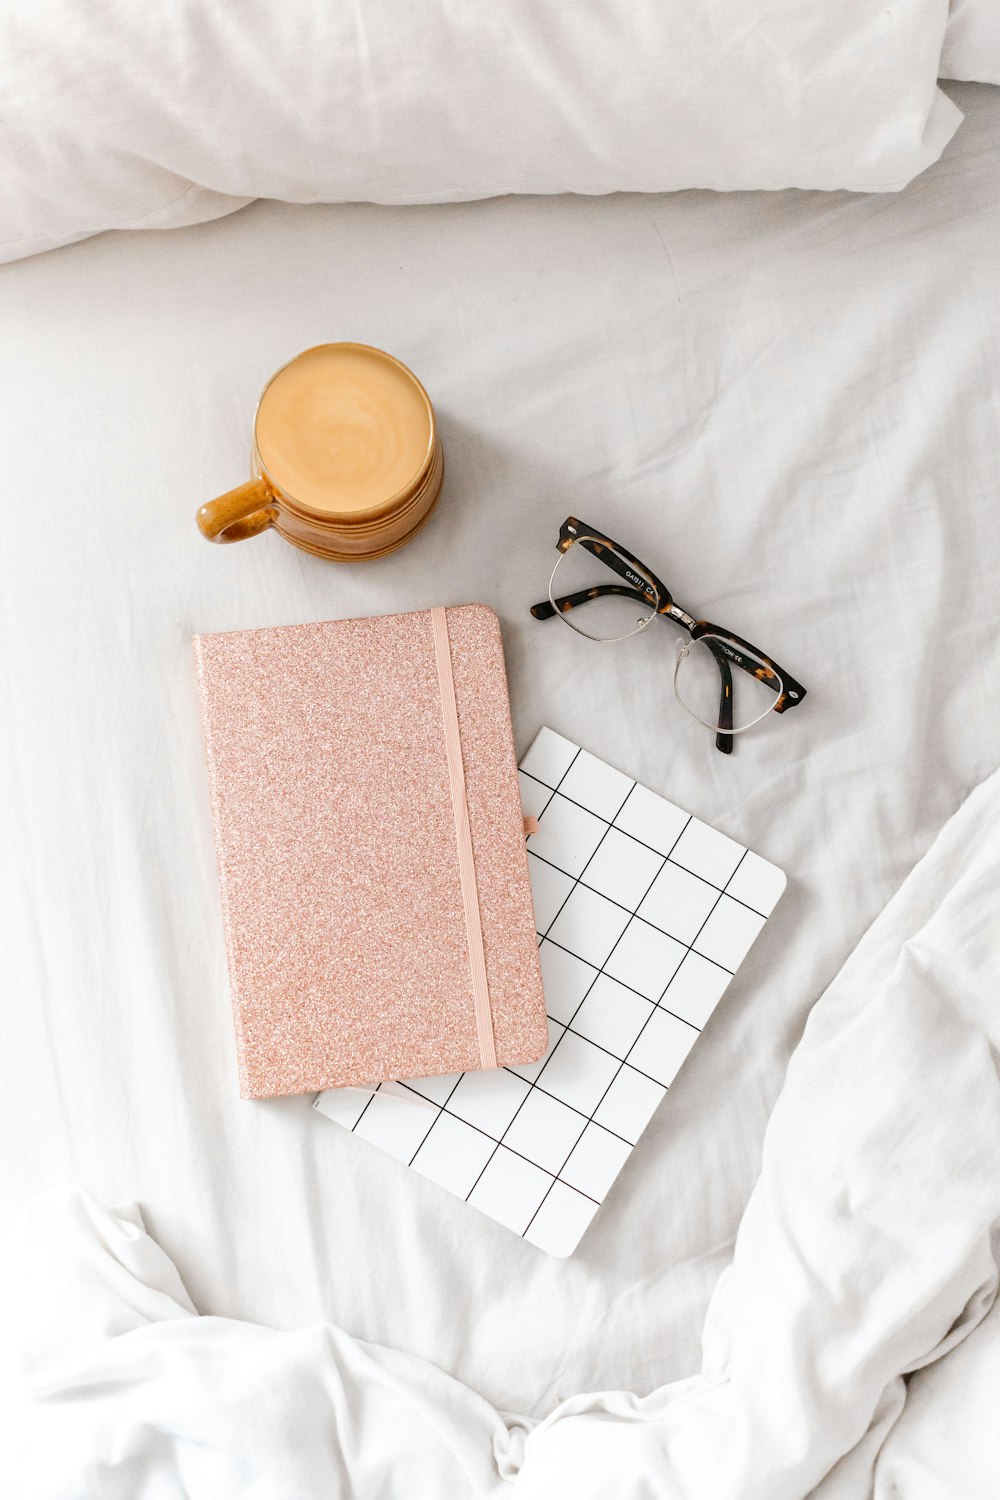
(643, 914)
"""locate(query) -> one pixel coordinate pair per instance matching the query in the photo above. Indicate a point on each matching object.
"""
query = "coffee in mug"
(346, 459)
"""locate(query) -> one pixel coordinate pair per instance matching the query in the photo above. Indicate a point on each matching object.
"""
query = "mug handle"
(238, 514)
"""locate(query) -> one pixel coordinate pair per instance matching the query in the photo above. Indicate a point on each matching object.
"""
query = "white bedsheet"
(787, 404)
(864, 1256)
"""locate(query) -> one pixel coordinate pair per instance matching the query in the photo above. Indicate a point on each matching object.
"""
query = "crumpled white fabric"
(866, 1254)
(123, 1391)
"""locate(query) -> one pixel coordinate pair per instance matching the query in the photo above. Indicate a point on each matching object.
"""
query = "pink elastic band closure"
(530, 825)
(463, 835)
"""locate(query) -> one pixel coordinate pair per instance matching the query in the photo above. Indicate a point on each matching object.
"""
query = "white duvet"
(849, 1350)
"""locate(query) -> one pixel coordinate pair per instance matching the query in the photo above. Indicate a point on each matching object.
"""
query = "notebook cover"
(335, 831)
(644, 914)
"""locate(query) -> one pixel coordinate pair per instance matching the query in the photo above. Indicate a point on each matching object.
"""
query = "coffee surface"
(342, 428)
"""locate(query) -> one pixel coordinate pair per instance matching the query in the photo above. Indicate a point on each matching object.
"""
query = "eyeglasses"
(703, 678)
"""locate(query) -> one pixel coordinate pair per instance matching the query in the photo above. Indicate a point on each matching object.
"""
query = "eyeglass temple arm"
(545, 610)
(724, 738)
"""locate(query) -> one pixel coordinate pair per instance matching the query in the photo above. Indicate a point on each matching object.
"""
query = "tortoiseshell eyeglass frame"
(611, 553)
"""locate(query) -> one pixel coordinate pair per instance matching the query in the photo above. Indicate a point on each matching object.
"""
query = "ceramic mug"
(346, 461)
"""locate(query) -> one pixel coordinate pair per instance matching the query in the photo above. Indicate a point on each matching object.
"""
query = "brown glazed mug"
(346, 461)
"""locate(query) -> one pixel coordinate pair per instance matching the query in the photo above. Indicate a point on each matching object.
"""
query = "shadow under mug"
(346, 460)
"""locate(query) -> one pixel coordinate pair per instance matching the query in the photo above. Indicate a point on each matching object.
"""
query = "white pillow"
(972, 42)
(124, 115)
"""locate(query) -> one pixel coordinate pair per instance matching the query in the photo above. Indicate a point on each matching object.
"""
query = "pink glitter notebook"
(375, 891)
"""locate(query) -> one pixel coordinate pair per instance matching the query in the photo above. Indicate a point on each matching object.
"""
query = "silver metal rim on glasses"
(682, 653)
(601, 640)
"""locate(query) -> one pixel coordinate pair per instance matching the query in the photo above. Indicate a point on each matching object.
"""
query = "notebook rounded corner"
(483, 611)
